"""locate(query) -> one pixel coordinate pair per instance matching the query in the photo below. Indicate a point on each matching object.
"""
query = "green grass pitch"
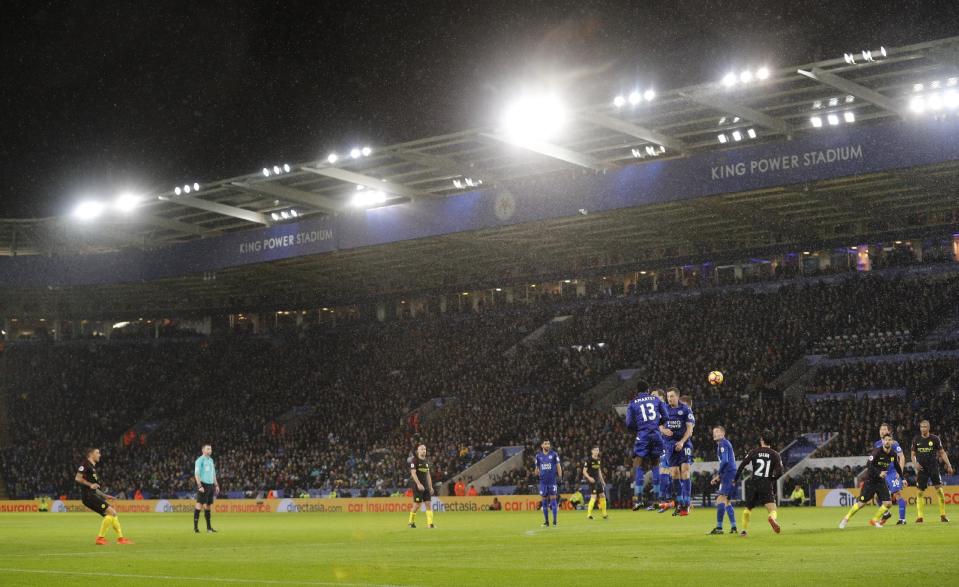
(487, 548)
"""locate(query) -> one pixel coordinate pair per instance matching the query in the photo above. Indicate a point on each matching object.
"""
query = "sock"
(602, 505)
(105, 524)
(412, 517)
(720, 512)
(773, 515)
(676, 490)
(116, 526)
(638, 482)
(687, 489)
(206, 516)
(664, 483)
(852, 511)
(941, 493)
(746, 514)
(879, 513)
(589, 508)
(196, 518)
(546, 510)
(731, 514)
(656, 487)
(554, 505)
(429, 517)
(920, 503)
(902, 509)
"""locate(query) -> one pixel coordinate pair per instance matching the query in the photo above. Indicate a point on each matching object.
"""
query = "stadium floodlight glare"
(746, 76)
(196, 187)
(751, 133)
(917, 87)
(635, 97)
(952, 82)
(815, 121)
(850, 99)
(935, 102)
(177, 190)
(366, 151)
(286, 168)
(619, 101)
(918, 104)
(834, 101)
(294, 213)
(332, 158)
(649, 95)
(266, 172)
(729, 80)
(723, 139)
(186, 189)
(737, 136)
(88, 210)
(849, 116)
(355, 153)
(276, 169)
(762, 73)
(833, 119)
(368, 198)
(951, 99)
(534, 118)
(126, 202)
(284, 215)
(274, 216)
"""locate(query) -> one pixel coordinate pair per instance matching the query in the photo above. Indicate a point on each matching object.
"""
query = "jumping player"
(677, 428)
(644, 416)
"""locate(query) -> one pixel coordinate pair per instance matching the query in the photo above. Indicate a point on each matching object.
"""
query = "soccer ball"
(715, 378)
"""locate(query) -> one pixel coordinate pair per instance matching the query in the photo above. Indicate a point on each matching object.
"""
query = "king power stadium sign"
(834, 152)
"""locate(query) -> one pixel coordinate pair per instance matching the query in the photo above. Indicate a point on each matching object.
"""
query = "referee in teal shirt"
(204, 472)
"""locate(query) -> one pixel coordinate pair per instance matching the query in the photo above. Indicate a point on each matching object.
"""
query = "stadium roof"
(875, 87)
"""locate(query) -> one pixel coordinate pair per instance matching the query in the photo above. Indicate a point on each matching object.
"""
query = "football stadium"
(682, 334)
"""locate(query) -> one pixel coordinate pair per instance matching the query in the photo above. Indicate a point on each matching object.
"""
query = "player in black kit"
(96, 500)
(767, 466)
(927, 450)
(422, 483)
(880, 459)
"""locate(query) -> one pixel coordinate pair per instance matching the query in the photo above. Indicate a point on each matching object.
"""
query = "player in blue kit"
(894, 481)
(726, 478)
(549, 470)
(665, 483)
(677, 429)
(644, 416)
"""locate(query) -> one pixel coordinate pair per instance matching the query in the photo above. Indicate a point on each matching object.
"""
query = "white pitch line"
(182, 578)
(55, 554)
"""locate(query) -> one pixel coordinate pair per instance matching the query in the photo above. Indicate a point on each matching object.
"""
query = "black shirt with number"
(766, 463)
(88, 471)
(595, 469)
(927, 451)
(880, 461)
(420, 469)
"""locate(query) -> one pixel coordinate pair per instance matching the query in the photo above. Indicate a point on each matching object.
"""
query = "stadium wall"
(841, 152)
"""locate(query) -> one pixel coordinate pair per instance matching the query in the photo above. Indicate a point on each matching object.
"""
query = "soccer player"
(96, 500)
(677, 428)
(726, 478)
(880, 460)
(549, 470)
(644, 415)
(593, 473)
(894, 481)
(927, 450)
(665, 483)
(204, 473)
(767, 466)
(422, 486)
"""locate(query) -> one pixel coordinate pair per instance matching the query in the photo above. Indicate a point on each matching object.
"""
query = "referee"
(204, 473)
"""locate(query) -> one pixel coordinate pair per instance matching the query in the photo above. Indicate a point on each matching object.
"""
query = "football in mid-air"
(715, 378)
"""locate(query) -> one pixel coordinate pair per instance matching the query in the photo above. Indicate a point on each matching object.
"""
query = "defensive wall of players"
(506, 503)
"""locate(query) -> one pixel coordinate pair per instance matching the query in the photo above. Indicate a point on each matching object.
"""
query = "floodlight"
(849, 116)
(635, 98)
(762, 73)
(619, 101)
(126, 202)
(534, 118)
(816, 121)
(649, 95)
(833, 119)
(88, 210)
(331, 158)
(729, 80)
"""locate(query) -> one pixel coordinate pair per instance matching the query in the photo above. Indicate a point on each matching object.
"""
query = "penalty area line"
(183, 578)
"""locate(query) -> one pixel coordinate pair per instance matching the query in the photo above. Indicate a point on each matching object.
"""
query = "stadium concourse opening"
(503, 327)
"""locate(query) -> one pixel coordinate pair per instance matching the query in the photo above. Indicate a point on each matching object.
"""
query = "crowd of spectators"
(329, 409)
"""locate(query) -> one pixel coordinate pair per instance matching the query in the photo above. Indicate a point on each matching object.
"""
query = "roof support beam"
(373, 183)
(443, 164)
(218, 208)
(292, 195)
(863, 93)
(633, 130)
(549, 150)
(744, 112)
(177, 226)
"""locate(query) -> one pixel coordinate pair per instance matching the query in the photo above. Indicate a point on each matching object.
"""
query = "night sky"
(100, 96)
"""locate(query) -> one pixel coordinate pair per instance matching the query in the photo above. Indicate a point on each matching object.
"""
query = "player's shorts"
(727, 485)
(95, 503)
(875, 489)
(206, 496)
(597, 489)
(928, 476)
(548, 488)
(422, 496)
(679, 457)
(648, 445)
(893, 482)
(759, 493)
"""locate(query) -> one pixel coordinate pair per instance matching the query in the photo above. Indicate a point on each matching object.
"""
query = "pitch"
(490, 548)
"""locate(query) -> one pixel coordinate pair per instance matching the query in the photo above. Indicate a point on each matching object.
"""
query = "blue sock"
(677, 492)
(656, 491)
(731, 512)
(686, 486)
(720, 512)
(664, 483)
(902, 509)
(638, 480)
(546, 510)
(554, 505)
